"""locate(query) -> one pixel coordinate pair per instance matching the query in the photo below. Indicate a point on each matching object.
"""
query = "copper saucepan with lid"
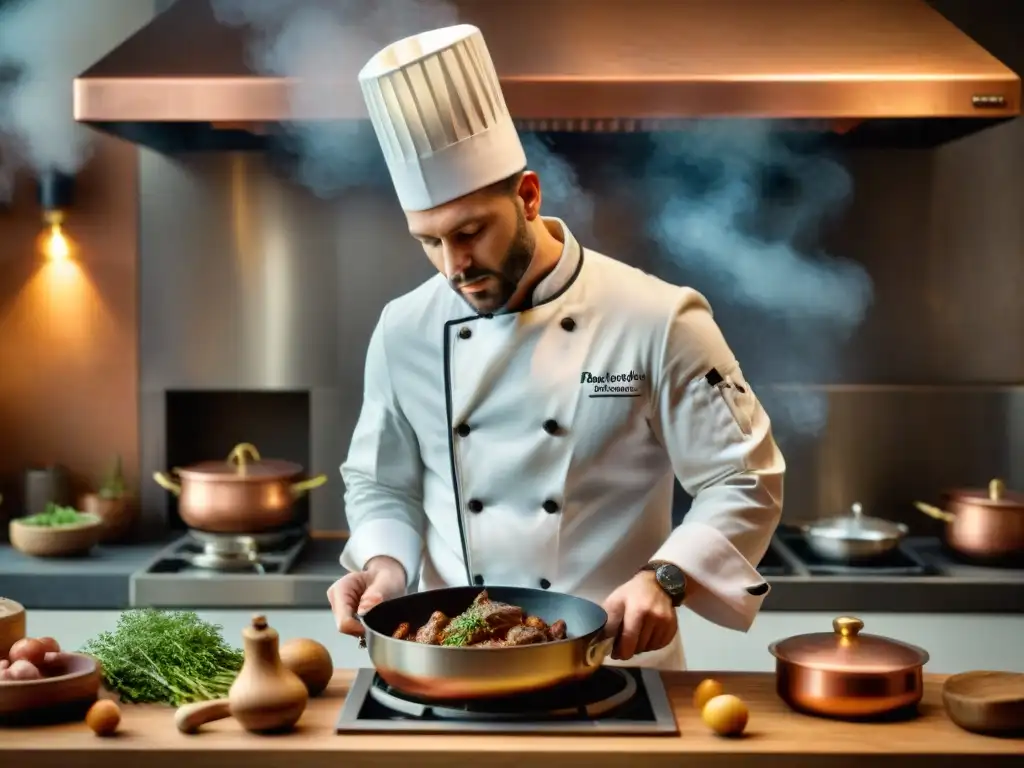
(847, 674)
(982, 524)
(242, 494)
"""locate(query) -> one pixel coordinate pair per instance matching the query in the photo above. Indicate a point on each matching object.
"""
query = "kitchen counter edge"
(775, 733)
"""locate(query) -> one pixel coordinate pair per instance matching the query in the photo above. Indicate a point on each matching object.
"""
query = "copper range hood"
(855, 66)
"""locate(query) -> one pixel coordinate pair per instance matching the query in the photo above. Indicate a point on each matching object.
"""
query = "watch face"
(671, 579)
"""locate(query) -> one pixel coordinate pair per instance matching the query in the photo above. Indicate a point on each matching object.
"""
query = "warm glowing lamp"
(56, 193)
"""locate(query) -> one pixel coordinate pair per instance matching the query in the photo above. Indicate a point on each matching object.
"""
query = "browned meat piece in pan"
(485, 623)
(432, 632)
(483, 620)
(557, 630)
(488, 644)
(525, 635)
(536, 622)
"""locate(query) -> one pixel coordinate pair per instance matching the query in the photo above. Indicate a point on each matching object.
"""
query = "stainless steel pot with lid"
(853, 537)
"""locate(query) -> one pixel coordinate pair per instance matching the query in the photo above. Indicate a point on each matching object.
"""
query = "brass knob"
(847, 626)
(996, 488)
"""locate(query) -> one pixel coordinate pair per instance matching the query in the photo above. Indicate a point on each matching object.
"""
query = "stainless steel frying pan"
(440, 672)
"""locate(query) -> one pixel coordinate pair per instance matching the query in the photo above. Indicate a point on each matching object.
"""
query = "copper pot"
(845, 674)
(243, 494)
(982, 524)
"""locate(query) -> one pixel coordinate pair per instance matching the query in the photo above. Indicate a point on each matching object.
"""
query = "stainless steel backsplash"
(249, 282)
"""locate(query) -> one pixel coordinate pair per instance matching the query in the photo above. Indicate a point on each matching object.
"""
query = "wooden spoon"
(986, 702)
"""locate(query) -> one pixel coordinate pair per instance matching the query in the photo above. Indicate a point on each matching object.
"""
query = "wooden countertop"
(775, 736)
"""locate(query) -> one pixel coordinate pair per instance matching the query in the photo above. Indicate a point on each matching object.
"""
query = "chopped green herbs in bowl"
(55, 532)
(57, 516)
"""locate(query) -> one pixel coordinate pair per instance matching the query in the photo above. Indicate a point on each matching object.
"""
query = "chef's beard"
(506, 278)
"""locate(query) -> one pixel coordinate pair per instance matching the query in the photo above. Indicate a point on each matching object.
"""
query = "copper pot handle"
(308, 485)
(241, 454)
(938, 514)
(165, 482)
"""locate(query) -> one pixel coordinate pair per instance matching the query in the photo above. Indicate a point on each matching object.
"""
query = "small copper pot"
(982, 524)
(243, 494)
(847, 675)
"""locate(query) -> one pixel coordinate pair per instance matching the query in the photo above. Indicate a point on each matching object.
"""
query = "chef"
(526, 410)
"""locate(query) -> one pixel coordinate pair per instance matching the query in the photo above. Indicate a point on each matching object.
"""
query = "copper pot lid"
(243, 464)
(995, 495)
(855, 527)
(846, 650)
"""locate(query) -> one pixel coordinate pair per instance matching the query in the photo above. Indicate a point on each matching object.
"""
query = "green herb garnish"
(165, 657)
(55, 515)
(462, 628)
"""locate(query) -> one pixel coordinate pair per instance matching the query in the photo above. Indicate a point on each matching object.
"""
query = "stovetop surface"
(568, 710)
(902, 561)
(188, 556)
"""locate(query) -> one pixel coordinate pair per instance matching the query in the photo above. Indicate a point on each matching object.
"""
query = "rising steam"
(738, 207)
(718, 227)
(44, 45)
(316, 41)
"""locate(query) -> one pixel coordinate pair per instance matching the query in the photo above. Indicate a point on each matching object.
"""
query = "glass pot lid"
(846, 650)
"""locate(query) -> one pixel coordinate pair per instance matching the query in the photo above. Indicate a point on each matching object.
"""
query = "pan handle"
(599, 650)
(362, 637)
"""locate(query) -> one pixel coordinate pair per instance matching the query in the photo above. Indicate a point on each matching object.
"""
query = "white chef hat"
(440, 116)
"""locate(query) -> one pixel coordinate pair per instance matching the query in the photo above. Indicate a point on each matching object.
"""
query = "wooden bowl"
(56, 540)
(986, 702)
(12, 624)
(65, 695)
(116, 515)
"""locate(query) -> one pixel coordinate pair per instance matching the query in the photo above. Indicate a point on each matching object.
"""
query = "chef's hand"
(640, 616)
(358, 592)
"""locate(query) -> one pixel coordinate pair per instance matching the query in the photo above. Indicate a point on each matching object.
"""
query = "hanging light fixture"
(56, 194)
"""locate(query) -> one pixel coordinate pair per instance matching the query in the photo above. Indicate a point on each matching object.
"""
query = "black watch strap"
(670, 578)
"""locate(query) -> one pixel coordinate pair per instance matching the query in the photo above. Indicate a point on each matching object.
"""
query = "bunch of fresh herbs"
(166, 657)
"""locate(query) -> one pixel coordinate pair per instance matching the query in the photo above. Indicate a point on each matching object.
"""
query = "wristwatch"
(670, 578)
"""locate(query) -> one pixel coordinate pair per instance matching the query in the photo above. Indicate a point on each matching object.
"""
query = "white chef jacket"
(547, 440)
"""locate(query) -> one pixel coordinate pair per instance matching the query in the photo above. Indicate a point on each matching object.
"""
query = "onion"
(103, 717)
(23, 670)
(726, 715)
(310, 661)
(54, 663)
(51, 645)
(705, 692)
(28, 649)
